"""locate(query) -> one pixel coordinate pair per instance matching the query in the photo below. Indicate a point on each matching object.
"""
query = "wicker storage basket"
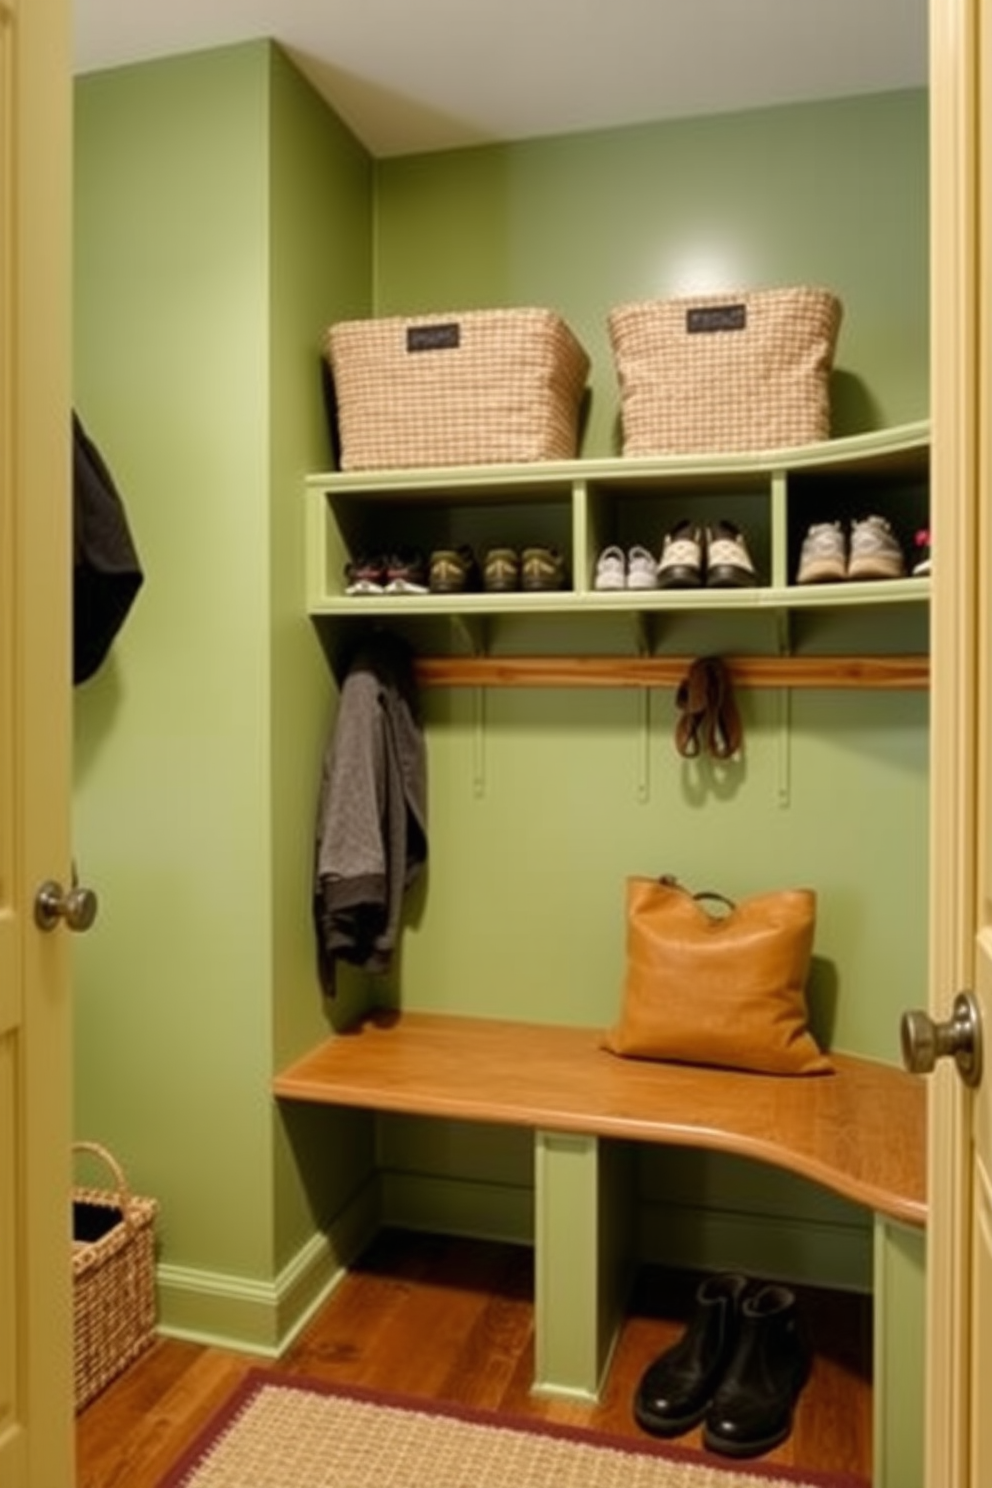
(730, 372)
(477, 387)
(113, 1272)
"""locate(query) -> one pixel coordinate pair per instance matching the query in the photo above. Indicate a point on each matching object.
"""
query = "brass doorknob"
(960, 1039)
(76, 906)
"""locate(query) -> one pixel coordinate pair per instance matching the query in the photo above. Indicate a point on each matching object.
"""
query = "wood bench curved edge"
(860, 1132)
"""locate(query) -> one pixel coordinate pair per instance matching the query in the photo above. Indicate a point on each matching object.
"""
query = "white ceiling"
(417, 75)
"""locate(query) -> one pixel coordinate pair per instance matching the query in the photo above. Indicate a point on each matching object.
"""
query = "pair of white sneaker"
(635, 569)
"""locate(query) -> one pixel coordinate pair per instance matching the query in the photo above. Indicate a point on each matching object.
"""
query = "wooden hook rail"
(871, 673)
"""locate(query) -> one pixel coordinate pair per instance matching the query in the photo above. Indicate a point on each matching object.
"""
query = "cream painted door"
(959, 1270)
(36, 1410)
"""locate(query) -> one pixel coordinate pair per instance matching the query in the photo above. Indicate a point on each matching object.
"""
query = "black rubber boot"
(676, 1390)
(752, 1409)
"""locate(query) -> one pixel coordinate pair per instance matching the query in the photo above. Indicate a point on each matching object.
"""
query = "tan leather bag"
(725, 989)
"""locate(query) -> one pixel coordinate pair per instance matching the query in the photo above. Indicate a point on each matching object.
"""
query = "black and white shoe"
(728, 562)
(366, 574)
(681, 563)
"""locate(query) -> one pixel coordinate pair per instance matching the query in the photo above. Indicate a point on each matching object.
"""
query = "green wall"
(540, 805)
(522, 914)
(224, 217)
(828, 193)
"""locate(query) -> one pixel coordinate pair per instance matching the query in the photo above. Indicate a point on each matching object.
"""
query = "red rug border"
(257, 1378)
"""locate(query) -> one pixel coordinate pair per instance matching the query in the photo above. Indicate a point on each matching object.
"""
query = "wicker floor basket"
(725, 373)
(113, 1272)
(476, 387)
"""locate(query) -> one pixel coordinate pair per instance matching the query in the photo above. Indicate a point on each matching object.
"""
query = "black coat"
(106, 572)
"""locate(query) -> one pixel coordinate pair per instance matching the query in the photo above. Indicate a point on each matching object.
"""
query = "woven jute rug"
(281, 1432)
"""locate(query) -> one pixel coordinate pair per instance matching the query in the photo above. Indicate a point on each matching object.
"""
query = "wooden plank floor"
(451, 1321)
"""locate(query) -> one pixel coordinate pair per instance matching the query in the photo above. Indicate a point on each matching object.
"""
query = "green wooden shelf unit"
(582, 506)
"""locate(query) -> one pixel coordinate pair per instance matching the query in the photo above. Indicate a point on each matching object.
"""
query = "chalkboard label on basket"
(706, 318)
(433, 337)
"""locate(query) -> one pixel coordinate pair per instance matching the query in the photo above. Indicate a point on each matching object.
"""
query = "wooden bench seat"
(860, 1132)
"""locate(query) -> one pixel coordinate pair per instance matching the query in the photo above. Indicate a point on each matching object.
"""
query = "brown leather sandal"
(724, 731)
(708, 714)
(692, 701)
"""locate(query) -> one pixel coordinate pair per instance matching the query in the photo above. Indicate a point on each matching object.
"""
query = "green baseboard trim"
(263, 1317)
(457, 1206)
(211, 1308)
(837, 1256)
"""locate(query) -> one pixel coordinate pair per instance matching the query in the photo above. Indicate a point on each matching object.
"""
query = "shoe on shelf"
(611, 569)
(541, 569)
(681, 563)
(366, 574)
(453, 571)
(751, 1412)
(875, 552)
(406, 572)
(921, 542)
(728, 562)
(500, 570)
(642, 570)
(823, 556)
(678, 1388)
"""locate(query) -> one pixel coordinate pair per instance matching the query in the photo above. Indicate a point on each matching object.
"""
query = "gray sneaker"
(823, 556)
(876, 552)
